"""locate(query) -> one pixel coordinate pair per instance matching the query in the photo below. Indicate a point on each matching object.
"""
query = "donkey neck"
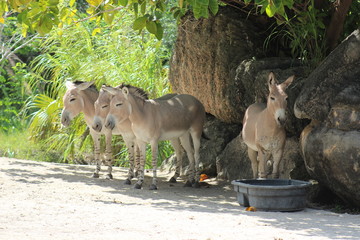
(268, 120)
(137, 109)
(89, 97)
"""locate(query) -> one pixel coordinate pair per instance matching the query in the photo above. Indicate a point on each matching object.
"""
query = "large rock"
(206, 55)
(333, 158)
(331, 99)
(220, 61)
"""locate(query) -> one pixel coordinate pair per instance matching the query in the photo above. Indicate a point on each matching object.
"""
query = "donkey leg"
(277, 158)
(142, 151)
(108, 154)
(154, 151)
(185, 142)
(137, 160)
(196, 142)
(131, 148)
(254, 162)
(96, 139)
(263, 158)
(179, 154)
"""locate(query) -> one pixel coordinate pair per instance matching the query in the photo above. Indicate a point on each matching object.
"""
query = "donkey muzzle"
(65, 119)
(97, 125)
(110, 123)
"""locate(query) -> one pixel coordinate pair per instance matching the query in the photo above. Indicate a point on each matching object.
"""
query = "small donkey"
(263, 128)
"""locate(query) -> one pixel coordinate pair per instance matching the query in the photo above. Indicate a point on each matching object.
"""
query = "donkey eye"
(272, 98)
(73, 99)
(105, 106)
(118, 105)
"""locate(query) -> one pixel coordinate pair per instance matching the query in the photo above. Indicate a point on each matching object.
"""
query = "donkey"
(154, 120)
(102, 107)
(263, 128)
(80, 97)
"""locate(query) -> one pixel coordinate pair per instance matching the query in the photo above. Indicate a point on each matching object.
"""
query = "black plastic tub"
(272, 194)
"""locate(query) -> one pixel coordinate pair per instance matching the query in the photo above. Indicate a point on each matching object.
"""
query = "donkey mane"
(92, 87)
(138, 92)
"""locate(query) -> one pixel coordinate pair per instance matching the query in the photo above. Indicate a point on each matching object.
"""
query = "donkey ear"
(69, 84)
(288, 81)
(110, 90)
(125, 91)
(84, 85)
(272, 80)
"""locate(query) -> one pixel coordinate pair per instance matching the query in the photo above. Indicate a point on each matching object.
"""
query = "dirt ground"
(56, 201)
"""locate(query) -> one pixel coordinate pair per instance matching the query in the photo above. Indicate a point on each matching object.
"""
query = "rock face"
(331, 99)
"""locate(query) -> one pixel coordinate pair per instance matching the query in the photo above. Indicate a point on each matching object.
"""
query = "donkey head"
(73, 101)
(277, 99)
(102, 108)
(120, 108)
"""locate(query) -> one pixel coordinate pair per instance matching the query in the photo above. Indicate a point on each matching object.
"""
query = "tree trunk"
(335, 28)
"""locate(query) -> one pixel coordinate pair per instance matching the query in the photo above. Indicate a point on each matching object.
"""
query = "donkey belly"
(249, 127)
(171, 134)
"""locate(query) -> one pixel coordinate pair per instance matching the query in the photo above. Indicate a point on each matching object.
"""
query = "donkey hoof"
(263, 176)
(137, 186)
(153, 187)
(172, 180)
(95, 175)
(127, 182)
(196, 185)
(188, 184)
(109, 176)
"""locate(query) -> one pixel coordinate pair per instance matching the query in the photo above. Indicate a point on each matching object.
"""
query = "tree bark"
(336, 26)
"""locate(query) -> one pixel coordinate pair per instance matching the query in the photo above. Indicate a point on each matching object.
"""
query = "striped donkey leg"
(179, 154)
(131, 148)
(96, 139)
(108, 154)
(142, 149)
(154, 151)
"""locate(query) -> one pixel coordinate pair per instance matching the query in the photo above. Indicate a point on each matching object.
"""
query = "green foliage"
(304, 34)
(116, 55)
(43, 15)
(273, 7)
(12, 97)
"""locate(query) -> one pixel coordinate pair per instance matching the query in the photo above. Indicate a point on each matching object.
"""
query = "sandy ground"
(56, 201)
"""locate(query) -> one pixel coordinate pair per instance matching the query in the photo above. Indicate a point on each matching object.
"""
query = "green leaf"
(270, 10)
(143, 7)
(139, 23)
(44, 25)
(109, 17)
(160, 31)
(124, 2)
(136, 8)
(214, 6)
(53, 2)
(72, 2)
(200, 8)
(151, 27)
